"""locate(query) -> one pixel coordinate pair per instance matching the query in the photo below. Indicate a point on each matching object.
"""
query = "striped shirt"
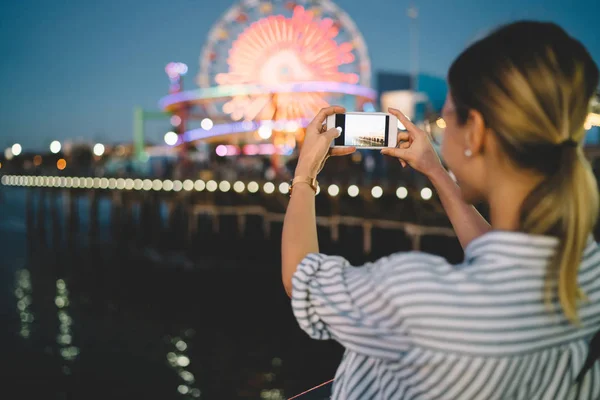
(416, 327)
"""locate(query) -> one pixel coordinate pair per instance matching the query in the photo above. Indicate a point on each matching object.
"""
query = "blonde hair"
(532, 83)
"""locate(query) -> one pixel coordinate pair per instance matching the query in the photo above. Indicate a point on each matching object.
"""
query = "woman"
(514, 320)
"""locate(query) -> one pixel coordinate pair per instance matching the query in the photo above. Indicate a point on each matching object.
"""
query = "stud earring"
(468, 153)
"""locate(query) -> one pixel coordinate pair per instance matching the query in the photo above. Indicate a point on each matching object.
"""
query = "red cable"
(310, 390)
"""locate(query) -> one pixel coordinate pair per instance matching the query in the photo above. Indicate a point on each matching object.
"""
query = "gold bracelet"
(312, 182)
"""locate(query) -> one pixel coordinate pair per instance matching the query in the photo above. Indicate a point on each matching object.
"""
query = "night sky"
(75, 69)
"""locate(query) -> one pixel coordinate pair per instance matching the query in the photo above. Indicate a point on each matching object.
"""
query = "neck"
(505, 200)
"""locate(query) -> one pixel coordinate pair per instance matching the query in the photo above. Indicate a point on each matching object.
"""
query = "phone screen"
(362, 130)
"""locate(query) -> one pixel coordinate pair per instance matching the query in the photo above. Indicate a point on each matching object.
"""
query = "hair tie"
(568, 143)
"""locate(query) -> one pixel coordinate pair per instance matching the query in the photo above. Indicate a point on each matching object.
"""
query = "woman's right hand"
(414, 147)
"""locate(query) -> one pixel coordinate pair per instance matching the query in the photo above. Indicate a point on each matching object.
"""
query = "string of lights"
(187, 185)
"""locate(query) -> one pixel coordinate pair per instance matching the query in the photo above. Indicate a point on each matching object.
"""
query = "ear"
(475, 137)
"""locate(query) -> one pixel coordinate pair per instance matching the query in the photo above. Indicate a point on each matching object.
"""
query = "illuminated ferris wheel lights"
(206, 124)
(171, 138)
(292, 126)
(265, 132)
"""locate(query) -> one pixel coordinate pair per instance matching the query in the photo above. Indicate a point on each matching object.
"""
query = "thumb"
(333, 133)
(396, 152)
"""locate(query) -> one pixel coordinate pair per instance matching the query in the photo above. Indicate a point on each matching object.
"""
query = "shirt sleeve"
(333, 300)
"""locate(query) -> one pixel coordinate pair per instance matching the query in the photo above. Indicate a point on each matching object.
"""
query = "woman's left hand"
(317, 144)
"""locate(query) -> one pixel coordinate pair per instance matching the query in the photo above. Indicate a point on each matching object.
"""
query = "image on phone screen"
(365, 130)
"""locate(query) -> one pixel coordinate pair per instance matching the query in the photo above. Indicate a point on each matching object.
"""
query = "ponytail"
(564, 205)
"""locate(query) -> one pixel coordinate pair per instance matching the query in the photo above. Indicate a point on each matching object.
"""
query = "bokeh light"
(401, 192)
(224, 186)
(333, 190)
(211, 186)
(253, 187)
(426, 193)
(239, 187)
(206, 124)
(221, 150)
(377, 192)
(16, 149)
(171, 138)
(265, 132)
(269, 187)
(98, 149)
(353, 190)
(284, 188)
(55, 147)
(61, 164)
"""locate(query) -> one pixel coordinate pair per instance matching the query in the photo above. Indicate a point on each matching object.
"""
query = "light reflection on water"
(179, 360)
(23, 293)
(64, 338)
(88, 319)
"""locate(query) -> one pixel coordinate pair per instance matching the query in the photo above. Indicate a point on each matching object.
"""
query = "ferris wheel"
(283, 60)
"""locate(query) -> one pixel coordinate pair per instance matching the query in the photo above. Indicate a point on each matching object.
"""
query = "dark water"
(111, 318)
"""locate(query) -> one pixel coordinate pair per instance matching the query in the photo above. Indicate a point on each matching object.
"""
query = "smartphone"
(365, 130)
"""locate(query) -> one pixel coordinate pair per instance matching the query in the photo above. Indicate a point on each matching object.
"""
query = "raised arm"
(299, 236)
(416, 150)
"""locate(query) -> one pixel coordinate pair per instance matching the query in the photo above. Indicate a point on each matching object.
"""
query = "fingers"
(401, 154)
(324, 113)
(403, 137)
(333, 133)
(403, 119)
(342, 151)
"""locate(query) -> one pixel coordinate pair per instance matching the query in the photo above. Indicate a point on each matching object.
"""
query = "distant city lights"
(61, 164)
(206, 124)
(16, 149)
(98, 149)
(593, 119)
(171, 138)
(55, 147)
